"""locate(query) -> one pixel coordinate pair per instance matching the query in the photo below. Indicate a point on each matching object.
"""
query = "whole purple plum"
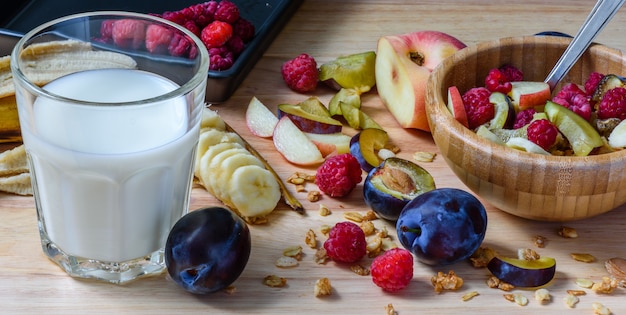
(442, 226)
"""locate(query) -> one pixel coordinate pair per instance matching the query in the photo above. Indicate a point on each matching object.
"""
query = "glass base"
(112, 272)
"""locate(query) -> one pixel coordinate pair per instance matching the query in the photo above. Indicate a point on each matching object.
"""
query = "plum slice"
(521, 272)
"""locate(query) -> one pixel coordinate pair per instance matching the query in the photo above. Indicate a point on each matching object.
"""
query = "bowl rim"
(439, 117)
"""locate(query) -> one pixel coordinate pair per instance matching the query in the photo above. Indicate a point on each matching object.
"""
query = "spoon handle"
(600, 15)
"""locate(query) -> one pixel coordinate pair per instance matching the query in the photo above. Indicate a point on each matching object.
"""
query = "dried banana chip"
(6, 78)
(13, 161)
(45, 62)
(17, 184)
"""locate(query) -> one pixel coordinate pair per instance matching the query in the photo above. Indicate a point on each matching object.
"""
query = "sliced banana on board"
(231, 173)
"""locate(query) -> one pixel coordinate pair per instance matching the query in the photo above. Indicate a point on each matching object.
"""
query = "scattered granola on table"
(568, 232)
(322, 287)
(449, 281)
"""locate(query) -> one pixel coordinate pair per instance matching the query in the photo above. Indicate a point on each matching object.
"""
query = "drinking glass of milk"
(110, 106)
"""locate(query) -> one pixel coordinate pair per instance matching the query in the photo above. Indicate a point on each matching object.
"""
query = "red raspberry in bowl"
(496, 81)
(592, 82)
(524, 117)
(613, 104)
(572, 97)
(338, 175)
(301, 74)
(543, 133)
(346, 243)
(393, 270)
(512, 73)
(479, 109)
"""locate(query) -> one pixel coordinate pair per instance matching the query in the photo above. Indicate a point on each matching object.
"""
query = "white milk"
(111, 180)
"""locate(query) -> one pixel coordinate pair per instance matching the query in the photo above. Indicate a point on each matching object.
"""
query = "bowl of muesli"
(548, 155)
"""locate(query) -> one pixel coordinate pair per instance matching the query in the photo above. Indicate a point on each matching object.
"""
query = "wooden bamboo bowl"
(533, 186)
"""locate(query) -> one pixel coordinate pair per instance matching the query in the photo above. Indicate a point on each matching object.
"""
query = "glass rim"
(197, 78)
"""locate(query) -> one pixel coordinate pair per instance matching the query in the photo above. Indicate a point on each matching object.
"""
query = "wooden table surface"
(30, 283)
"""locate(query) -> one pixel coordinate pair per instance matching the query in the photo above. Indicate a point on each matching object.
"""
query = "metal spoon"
(600, 15)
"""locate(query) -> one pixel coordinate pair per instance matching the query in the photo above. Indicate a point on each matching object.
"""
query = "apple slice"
(456, 106)
(330, 143)
(505, 112)
(259, 119)
(366, 144)
(484, 132)
(523, 273)
(403, 65)
(294, 145)
(617, 138)
(579, 132)
(527, 94)
(524, 144)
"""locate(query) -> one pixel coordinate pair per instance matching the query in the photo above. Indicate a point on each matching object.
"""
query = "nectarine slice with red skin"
(521, 272)
(456, 106)
(528, 94)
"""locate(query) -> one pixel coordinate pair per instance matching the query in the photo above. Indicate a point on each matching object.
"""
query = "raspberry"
(244, 29)
(235, 45)
(524, 118)
(511, 73)
(193, 27)
(179, 46)
(496, 81)
(220, 58)
(393, 270)
(479, 109)
(128, 33)
(227, 12)
(592, 82)
(203, 13)
(542, 132)
(106, 30)
(613, 104)
(175, 16)
(572, 97)
(158, 39)
(300, 73)
(216, 34)
(338, 175)
(346, 242)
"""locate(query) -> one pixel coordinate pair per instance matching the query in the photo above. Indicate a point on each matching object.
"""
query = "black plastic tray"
(268, 17)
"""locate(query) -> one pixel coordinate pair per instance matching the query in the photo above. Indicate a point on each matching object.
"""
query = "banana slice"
(253, 191)
(210, 137)
(224, 172)
(210, 119)
(213, 169)
(206, 158)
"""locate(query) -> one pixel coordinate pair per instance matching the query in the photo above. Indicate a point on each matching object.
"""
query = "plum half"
(521, 272)
(391, 185)
(442, 226)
